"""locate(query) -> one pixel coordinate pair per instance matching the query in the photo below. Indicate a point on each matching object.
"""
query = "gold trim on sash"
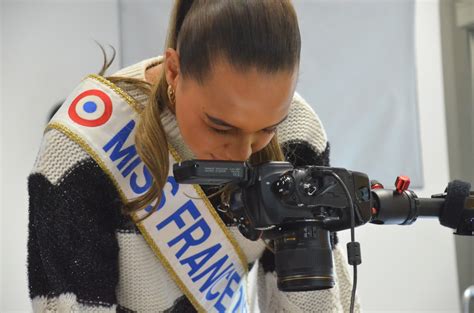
(125, 96)
(168, 267)
(132, 103)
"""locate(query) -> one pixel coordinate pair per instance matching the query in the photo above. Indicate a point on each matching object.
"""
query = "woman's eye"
(270, 130)
(227, 131)
(219, 131)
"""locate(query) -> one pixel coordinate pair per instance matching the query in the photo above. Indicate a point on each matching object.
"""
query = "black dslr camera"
(297, 207)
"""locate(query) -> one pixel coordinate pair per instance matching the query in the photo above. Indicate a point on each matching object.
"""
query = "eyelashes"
(270, 130)
(219, 131)
(229, 131)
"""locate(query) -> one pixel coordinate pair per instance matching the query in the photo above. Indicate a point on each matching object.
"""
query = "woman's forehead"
(249, 98)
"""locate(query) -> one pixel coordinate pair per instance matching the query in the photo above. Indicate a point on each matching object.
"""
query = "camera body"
(279, 195)
(295, 207)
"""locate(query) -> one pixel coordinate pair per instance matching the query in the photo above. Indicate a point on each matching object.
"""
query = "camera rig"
(297, 208)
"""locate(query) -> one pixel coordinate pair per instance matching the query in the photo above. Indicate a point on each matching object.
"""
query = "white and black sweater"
(85, 256)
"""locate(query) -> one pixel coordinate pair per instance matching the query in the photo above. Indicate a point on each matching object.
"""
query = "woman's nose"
(240, 150)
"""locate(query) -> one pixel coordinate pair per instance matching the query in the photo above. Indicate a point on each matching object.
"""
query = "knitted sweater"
(85, 256)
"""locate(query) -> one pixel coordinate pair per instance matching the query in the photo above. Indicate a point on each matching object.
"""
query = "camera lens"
(303, 259)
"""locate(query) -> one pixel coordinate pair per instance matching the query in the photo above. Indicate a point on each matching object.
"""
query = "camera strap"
(185, 233)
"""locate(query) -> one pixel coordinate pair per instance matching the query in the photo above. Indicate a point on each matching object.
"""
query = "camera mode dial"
(284, 186)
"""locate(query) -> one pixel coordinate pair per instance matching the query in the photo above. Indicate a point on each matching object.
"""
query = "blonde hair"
(273, 25)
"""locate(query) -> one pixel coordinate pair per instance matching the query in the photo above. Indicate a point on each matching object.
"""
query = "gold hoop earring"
(171, 95)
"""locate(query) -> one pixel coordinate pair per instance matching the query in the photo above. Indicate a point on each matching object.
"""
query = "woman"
(223, 90)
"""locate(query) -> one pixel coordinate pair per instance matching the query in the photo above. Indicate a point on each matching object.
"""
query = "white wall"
(358, 74)
(1, 144)
(49, 47)
(413, 268)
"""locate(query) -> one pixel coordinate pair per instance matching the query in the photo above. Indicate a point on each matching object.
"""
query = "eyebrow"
(225, 124)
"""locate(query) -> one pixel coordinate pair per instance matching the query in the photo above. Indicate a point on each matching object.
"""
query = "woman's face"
(233, 113)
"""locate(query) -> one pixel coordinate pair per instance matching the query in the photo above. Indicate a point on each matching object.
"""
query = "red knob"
(402, 183)
(375, 184)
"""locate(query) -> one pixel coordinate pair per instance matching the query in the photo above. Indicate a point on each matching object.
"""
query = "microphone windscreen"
(456, 194)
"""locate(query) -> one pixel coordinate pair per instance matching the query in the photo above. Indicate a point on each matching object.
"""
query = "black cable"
(353, 248)
(354, 287)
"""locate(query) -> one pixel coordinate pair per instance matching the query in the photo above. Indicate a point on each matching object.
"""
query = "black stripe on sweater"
(301, 153)
(72, 244)
(181, 305)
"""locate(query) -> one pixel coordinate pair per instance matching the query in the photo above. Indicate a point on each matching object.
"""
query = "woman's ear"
(172, 67)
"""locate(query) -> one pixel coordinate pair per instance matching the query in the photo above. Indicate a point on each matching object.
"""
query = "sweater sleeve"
(72, 247)
(304, 142)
